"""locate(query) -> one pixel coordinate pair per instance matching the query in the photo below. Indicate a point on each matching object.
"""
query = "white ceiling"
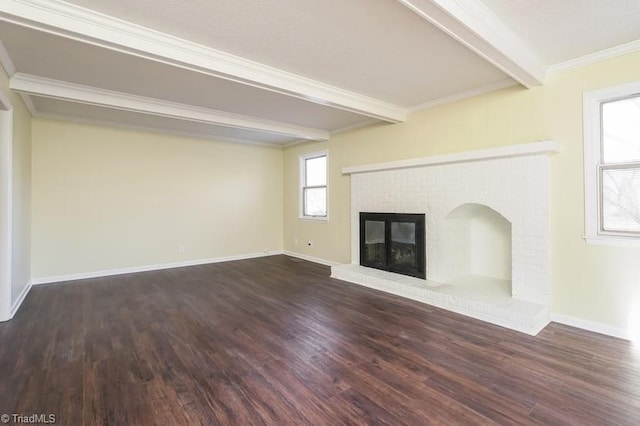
(279, 71)
(377, 48)
(561, 30)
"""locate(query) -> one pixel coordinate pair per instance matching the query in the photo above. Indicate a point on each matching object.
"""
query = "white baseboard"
(595, 327)
(559, 318)
(110, 272)
(23, 294)
(310, 258)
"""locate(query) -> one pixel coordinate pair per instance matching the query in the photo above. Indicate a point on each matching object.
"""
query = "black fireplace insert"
(393, 242)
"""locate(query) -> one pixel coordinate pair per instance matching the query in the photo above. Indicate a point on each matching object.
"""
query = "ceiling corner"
(5, 61)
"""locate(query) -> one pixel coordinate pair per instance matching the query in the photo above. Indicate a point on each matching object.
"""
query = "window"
(313, 184)
(612, 165)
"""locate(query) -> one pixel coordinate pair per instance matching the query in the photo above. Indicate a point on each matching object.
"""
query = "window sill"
(614, 241)
(314, 218)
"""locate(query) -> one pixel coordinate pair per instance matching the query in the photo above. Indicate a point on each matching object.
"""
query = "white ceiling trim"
(5, 103)
(6, 61)
(56, 89)
(29, 103)
(623, 49)
(354, 127)
(84, 25)
(502, 84)
(475, 26)
(337, 131)
(149, 129)
(7, 64)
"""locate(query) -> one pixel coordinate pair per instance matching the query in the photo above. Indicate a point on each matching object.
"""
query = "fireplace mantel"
(487, 230)
(540, 147)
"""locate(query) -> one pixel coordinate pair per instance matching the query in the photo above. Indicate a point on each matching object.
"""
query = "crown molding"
(337, 131)
(487, 88)
(5, 102)
(602, 55)
(6, 62)
(56, 89)
(475, 26)
(354, 127)
(77, 23)
(28, 102)
(150, 129)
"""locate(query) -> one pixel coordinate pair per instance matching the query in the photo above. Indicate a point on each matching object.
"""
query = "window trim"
(593, 166)
(302, 181)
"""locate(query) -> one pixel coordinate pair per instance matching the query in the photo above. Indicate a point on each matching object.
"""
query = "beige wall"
(107, 198)
(592, 283)
(21, 191)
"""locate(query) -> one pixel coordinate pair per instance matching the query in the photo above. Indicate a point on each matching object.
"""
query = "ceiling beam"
(5, 60)
(479, 29)
(55, 89)
(77, 23)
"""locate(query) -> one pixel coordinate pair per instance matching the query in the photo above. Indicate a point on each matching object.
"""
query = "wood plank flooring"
(276, 341)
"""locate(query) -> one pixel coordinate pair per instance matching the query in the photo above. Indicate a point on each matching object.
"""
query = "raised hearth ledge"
(496, 307)
(540, 147)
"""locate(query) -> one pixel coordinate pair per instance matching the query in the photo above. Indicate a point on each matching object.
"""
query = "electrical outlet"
(181, 248)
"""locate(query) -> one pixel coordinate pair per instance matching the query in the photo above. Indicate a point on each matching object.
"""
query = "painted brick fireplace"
(487, 231)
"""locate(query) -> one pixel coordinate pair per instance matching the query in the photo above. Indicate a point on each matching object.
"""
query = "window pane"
(621, 130)
(621, 199)
(316, 169)
(315, 201)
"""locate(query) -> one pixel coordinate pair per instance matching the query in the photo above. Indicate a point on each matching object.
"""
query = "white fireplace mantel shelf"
(540, 147)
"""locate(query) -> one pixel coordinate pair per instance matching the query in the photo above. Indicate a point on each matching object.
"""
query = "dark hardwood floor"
(276, 341)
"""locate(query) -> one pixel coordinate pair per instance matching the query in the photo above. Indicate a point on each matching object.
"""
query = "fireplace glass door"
(403, 245)
(393, 242)
(375, 251)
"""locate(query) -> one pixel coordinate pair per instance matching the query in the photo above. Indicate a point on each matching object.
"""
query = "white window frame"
(302, 168)
(592, 102)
